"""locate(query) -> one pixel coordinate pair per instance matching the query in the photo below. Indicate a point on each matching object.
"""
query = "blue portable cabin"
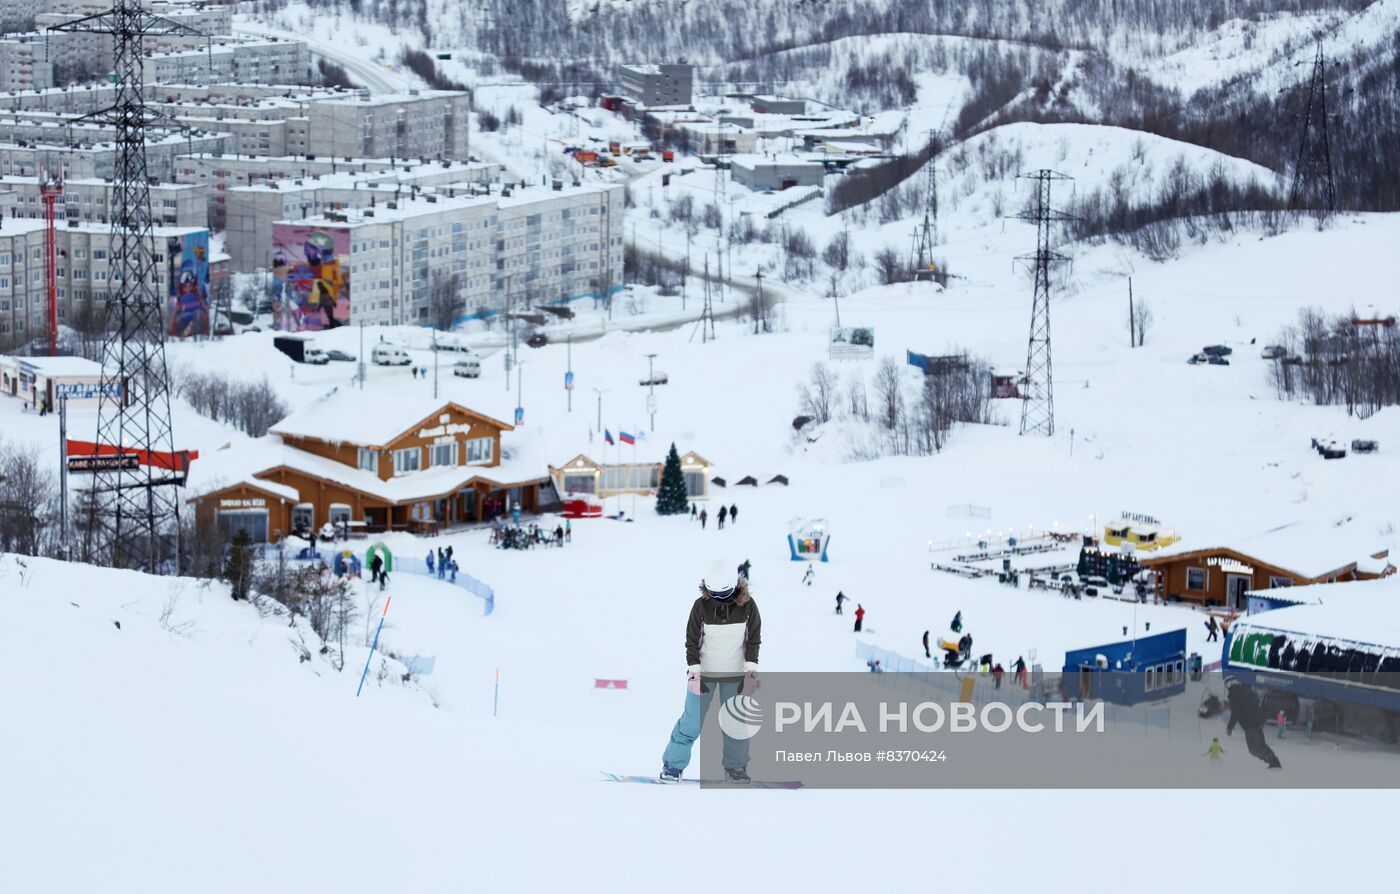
(1129, 672)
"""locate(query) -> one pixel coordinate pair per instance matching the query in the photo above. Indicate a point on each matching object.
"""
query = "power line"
(1038, 398)
(1313, 185)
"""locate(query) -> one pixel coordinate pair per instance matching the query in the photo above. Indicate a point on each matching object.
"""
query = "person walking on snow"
(860, 616)
(744, 568)
(1282, 720)
(997, 672)
(1216, 750)
(442, 564)
(927, 653)
(704, 514)
(1020, 669)
(807, 578)
(733, 513)
(1244, 710)
(723, 512)
(722, 639)
(840, 598)
(1213, 629)
(694, 511)
(957, 623)
(376, 567)
(430, 561)
(568, 530)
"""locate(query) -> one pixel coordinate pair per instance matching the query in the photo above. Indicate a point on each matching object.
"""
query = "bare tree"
(29, 506)
(445, 304)
(819, 393)
(1142, 319)
(889, 393)
(890, 267)
(837, 253)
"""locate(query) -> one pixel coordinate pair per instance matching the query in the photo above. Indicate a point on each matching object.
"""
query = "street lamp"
(600, 392)
(519, 391)
(651, 389)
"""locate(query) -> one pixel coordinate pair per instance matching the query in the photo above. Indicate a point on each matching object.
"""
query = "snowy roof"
(60, 366)
(1306, 549)
(349, 417)
(786, 160)
(1362, 611)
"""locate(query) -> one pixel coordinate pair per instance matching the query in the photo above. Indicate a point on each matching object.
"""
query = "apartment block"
(88, 200)
(667, 84)
(518, 246)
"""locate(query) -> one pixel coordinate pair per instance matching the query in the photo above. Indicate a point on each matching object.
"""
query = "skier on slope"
(1244, 710)
(840, 598)
(722, 639)
(860, 616)
(957, 623)
(807, 578)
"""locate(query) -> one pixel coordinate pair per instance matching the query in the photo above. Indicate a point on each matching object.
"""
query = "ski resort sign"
(852, 342)
(808, 539)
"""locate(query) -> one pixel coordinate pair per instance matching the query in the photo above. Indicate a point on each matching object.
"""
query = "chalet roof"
(1365, 611)
(346, 416)
(1305, 550)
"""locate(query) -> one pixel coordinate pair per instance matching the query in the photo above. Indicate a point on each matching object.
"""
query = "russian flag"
(607, 437)
(625, 438)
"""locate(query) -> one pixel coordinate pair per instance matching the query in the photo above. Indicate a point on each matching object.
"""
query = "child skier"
(807, 578)
(722, 639)
(1215, 751)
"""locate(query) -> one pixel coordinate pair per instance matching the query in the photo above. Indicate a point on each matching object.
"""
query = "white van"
(467, 369)
(389, 355)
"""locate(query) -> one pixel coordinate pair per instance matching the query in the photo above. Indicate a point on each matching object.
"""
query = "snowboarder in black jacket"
(1245, 711)
(1212, 630)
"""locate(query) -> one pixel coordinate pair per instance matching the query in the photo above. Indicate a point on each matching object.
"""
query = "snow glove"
(692, 679)
(750, 684)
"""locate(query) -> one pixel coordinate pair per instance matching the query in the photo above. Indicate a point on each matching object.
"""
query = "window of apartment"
(480, 450)
(369, 460)
(1195, 578)
(407, 460)
(445, 454)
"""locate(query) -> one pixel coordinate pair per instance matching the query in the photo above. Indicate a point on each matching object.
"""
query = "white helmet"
(721, 579)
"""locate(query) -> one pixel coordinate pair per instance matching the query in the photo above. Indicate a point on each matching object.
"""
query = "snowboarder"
(430, 562)
(860, 616)
(927, 653)
(1216, 750)
(733, 513)
(723, 514)
(807, 578)
(703, 516)
(1244, 710)
(744, 568)
(997, 672)
(957, 623)
(722, 639)
(1213, 630)
(840, 598)
(376, 567)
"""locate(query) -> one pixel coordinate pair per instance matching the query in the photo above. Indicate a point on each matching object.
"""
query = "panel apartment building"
(81, 272)
(522, 246)
(88, 200)
(666, 84)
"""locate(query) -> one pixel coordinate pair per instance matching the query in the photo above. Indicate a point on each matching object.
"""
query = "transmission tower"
(136, 508)
(926, 234)
(1038, 398)
(1313, 187)
(707, 316)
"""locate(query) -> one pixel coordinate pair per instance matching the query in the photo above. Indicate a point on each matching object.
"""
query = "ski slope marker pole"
(496, 698)
(373, 646)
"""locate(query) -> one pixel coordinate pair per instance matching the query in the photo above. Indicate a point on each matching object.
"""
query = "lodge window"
(480, 450)
(251, 522)
(303, 517)
(1195, 578)
(579, 484)
(339, 513)
(408, 460)
(369, 460)
(422, 512)
(695, 484)
(1275, 581)
(444, 454)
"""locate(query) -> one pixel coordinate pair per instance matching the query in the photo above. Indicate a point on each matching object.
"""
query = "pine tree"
(238, 567)
(671, 498)
(1083, 568)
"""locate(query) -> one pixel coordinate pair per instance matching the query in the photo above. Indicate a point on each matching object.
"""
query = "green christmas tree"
(671, 498)
(1083, 568)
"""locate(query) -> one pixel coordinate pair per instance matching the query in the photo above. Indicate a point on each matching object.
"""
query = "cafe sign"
(1229, 566)
(459, 428)
(245, 503)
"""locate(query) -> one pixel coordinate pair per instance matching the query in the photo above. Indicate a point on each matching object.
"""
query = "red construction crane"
(50, 188)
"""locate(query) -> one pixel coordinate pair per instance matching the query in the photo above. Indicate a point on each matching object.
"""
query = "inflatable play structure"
(808, 539)
(382, 550)
(346, 562)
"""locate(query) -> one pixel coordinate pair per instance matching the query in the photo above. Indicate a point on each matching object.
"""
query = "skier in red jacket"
(860, 616)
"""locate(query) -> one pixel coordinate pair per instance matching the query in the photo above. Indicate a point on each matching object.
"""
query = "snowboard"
(621, 777)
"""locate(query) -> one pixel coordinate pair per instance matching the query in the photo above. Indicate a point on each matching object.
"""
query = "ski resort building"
(1288, 556)
(585, 475)
(401, 464)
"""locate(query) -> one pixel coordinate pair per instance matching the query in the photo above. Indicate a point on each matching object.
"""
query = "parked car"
(1196, 358)
(537, 340)
(1217, 350)
(1217, 360)
(1360, 446)
(467, 369)
(340, 356)
(657, 378)
(452, 344)
(389, 355)
(1274, 352)
(1330, 449)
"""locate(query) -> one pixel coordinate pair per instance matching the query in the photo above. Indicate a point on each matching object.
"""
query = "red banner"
(177, 461)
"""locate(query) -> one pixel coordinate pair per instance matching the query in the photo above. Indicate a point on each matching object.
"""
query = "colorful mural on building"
(310, 281)
(187, 271)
